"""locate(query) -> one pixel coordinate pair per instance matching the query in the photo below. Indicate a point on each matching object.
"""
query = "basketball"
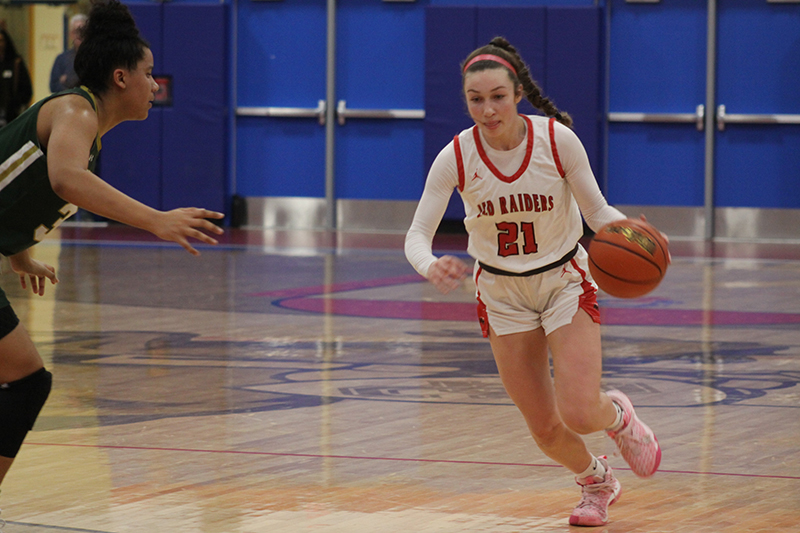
(628, 258)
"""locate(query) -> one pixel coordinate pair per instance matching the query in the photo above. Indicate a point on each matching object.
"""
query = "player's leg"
(524, 367)
(577, 364)
(24, 386)
(577, 369)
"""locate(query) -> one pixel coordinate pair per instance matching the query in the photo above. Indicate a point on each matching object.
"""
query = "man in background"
(63, 76)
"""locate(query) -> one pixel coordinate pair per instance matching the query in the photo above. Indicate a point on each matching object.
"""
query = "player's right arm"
(68, 130)
(445, 272)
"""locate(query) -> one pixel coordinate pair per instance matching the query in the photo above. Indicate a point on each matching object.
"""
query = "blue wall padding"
(195, 127)
(574, 76)
(562, 47)
(130, 159)
(177, 157)
(525, 28)
(450, 35)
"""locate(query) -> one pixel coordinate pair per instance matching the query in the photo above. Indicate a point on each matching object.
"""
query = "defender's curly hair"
(111, 40)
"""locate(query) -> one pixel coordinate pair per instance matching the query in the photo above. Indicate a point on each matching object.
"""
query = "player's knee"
(546, 436)
(580, 421)
(20, 404)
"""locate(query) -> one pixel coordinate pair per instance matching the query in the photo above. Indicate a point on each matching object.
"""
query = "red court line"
(339, 287)
(299, 299)
(612, 316)
(368, 458)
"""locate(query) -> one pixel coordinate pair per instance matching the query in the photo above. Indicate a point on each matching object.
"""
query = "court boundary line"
(371, 458)
(55, 528)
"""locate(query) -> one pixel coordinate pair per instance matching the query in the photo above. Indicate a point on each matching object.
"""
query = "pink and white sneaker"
(598, 495)
(636, 442)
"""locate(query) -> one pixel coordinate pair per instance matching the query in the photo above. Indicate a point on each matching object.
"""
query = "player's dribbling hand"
(446, 273)
(664, 235)
(181, 224)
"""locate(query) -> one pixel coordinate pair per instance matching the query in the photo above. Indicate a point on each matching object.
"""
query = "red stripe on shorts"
(588, 300)
(483, 316)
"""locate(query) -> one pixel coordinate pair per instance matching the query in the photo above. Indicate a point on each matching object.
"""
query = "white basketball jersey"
(522, 221)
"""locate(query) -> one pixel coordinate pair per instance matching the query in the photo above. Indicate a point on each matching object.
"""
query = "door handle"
(697, 118)
(285, 112)
(734, 118)
(342, 113)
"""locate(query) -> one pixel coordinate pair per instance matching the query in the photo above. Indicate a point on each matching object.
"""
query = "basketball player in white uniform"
(525, 180)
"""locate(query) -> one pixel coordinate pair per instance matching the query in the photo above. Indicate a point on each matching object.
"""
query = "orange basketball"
(628, 258)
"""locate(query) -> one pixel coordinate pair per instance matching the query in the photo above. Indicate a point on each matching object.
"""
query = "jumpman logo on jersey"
(476, 177)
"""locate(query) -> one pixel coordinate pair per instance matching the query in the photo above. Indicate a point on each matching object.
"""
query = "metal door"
(701, 113)
(328, 114)
(757, 161)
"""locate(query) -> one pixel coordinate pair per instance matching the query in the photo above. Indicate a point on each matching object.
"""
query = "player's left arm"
(581, 180)
(72, 133)
(582, 183)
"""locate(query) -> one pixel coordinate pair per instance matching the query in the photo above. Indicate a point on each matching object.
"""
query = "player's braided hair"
(111, 40)
(500, 47)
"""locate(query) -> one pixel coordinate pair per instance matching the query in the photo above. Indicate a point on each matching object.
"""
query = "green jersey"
(29, 208)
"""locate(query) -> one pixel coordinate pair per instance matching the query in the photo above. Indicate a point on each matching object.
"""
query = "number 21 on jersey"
(508, 234)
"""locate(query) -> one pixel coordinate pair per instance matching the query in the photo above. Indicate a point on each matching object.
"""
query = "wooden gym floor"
(310, 381)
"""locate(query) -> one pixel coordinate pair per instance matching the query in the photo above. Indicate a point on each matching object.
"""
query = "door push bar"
(697, 118)
(732, 118)
(342, 113)
(286, 112)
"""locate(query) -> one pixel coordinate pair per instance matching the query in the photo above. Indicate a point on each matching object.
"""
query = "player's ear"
(118, 78)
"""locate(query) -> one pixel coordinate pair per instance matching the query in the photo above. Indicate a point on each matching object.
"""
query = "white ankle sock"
(617, 425)
(596, 469)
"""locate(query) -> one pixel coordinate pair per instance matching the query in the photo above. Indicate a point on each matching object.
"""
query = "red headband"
(490, 57)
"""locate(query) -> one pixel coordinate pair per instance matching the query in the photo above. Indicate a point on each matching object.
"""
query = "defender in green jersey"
(47, 158)
(29, 209)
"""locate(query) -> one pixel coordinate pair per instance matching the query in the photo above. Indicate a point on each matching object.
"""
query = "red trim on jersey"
(588, 300)
(488, 162)
(483, 316)
(555, 148)
(459, 164)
